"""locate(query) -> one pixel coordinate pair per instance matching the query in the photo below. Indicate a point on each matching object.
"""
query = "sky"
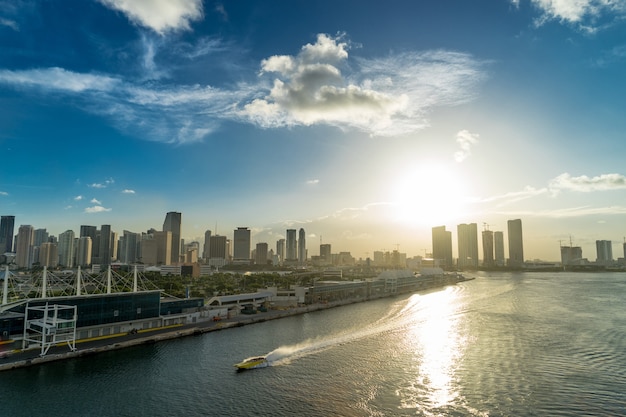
(364, 122)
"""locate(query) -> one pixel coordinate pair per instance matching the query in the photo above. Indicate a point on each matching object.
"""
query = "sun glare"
(429, 195)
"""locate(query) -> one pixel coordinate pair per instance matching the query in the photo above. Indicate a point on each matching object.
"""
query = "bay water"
(503, 344)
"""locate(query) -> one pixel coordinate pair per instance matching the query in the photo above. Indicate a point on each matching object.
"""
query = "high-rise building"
(218, 250)
(325, 253)
(7, 223)
(498, 243)
(48, 255)
(468, 245)
(241, 245)
(66, 249)
(604, 252)
(516, 243)
(261, 254)
(129, 247)
(83, 253)
(292, 246)
(24, 246)
(280, 250)
(41, 236)
(164, 247)
(571, 255)
(105, 255)
(442, 246)
(172, 223)
(148, 248)
(488, 259)
(93, 234)
(206, 252)
(301, 246)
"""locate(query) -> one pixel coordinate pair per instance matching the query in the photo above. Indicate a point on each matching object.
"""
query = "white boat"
(252, 363)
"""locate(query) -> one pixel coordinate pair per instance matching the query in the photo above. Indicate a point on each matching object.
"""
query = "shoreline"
(27, 358)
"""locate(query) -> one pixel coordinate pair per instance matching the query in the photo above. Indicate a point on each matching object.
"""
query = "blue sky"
(365, 122)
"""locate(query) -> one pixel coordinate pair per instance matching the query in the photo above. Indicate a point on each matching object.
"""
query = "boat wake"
(398, 317)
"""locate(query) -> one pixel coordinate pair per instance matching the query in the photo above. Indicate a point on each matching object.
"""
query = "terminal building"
(50, 309)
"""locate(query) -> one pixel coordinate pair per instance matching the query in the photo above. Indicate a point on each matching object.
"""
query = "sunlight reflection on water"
(437, 348)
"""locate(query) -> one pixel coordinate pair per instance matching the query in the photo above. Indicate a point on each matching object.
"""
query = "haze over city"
(365, 123)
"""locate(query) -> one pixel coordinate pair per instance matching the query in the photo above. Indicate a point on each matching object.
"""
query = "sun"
(429, 194)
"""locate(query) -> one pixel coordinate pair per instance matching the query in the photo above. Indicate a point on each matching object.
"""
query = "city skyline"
(446, 114)
(461, 251)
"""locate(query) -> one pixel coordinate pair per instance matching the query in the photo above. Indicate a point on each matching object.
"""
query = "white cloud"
(127, 191)
(466, 140)
(78, 198)
(571, 212)
(586, 14)
(585, 184)
(384, 96)
(104, 184)
(58, 79)
(9, 23)
(387, 96)
(219, 7)
(514, 196)
(94, 201)
(159, 15)
(4, 193)
(313, 182)
(96, 209)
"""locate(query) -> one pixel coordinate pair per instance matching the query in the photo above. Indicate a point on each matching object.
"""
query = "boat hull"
(251, 363)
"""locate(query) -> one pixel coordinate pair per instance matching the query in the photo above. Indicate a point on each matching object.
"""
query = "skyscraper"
(261, 254)
(92, 233)
(516, 244)
(302, 247)
(498, 243)
(292, 246)
(206, 252)
(83, 253)
(325, 253)
(241, 245)
(604, 252)
(280, 250)
(217, 250)
(66, 249)
(164, 247)
(105, 254)
(442, 246)
(129, 244)
(488, 259)
(468, 245)
(24, 246)
(41, 236)
(48, 255)
(7, 223)
(172, 223)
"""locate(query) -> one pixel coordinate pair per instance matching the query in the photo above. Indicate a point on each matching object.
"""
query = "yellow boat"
(252, 363)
